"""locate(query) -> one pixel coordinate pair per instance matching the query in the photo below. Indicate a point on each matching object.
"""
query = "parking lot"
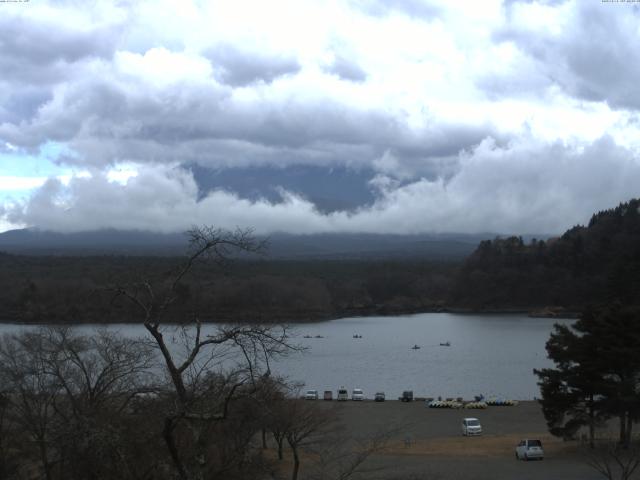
(428, 443)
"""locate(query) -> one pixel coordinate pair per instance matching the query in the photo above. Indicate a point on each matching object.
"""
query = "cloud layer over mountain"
(515, 116)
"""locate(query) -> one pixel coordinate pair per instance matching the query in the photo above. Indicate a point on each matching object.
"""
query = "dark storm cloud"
(36, 55)
(596, 57)
(106, 116)
(346, 69)
(73, 114)
(106, 121)
(238, 68)
(410, 135)
(22, 103)
(603, 55)
(39, 51)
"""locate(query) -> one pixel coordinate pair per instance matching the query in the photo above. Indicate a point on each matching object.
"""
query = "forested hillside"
(46, 289)
(586, 265)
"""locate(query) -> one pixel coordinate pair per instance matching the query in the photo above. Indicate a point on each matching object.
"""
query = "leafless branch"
(613, 461)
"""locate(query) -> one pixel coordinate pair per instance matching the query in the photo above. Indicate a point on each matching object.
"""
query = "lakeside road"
(429, 445)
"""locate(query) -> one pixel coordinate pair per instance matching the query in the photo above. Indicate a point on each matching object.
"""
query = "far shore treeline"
(587, 265)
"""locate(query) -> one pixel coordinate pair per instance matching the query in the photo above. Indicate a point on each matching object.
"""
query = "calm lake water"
(493, 355)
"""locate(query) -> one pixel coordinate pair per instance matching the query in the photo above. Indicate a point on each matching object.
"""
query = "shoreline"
(544, 312)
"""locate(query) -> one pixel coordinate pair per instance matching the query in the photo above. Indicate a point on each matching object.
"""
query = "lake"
(493, 355)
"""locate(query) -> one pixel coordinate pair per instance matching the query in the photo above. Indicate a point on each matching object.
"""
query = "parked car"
(328, 395)
(311, 395)
(357, 395)
(379, 397)
(529, 450)
(407, 396)
(471, 426)
(343, 394)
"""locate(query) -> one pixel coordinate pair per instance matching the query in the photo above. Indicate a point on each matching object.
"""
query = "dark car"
(379, 397)
(407, 396)
(328, 395)
(343, 394)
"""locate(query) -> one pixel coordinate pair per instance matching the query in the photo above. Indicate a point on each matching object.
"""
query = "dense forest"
(586, 265)
(43, 289)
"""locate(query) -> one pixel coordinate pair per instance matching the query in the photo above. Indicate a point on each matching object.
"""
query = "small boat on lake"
(319, 336)
(445, 344)
(307, 336)
(415, 347)
(357, 336)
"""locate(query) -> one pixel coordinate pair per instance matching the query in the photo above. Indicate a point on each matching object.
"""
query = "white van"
(529, 450)
(343, 394)
(471, 426)
(357, 395)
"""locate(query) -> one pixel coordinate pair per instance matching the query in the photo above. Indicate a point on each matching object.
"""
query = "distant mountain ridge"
(329, 189)
(281, 245)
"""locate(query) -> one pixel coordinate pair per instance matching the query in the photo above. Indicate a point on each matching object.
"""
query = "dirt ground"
(428, 443)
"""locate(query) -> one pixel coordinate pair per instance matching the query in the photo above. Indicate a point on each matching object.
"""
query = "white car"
(529, 450)
(357, 395)
(311, 395)
(471, 426)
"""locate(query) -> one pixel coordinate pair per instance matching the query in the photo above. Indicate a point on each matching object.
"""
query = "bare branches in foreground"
(66, 394)
(212, 370)
(612, 460)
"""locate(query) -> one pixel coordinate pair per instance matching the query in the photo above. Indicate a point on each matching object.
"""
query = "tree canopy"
(596, 374)
(594, 264)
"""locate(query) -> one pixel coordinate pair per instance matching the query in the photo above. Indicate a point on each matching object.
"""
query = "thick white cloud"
(522, 187)
(506, 116)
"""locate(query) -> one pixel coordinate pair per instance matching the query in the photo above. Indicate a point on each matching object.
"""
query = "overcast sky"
(478, 116)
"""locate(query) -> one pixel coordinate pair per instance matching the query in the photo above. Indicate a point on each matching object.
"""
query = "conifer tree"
(596, 374)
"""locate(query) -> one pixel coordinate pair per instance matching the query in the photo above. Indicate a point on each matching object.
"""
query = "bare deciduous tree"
(31, 393)
(189, 420)
(304, 424)
(102, 406)
(8, 459)
(612, 460)
(333, 453)
(343, 457)
(67, 393)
